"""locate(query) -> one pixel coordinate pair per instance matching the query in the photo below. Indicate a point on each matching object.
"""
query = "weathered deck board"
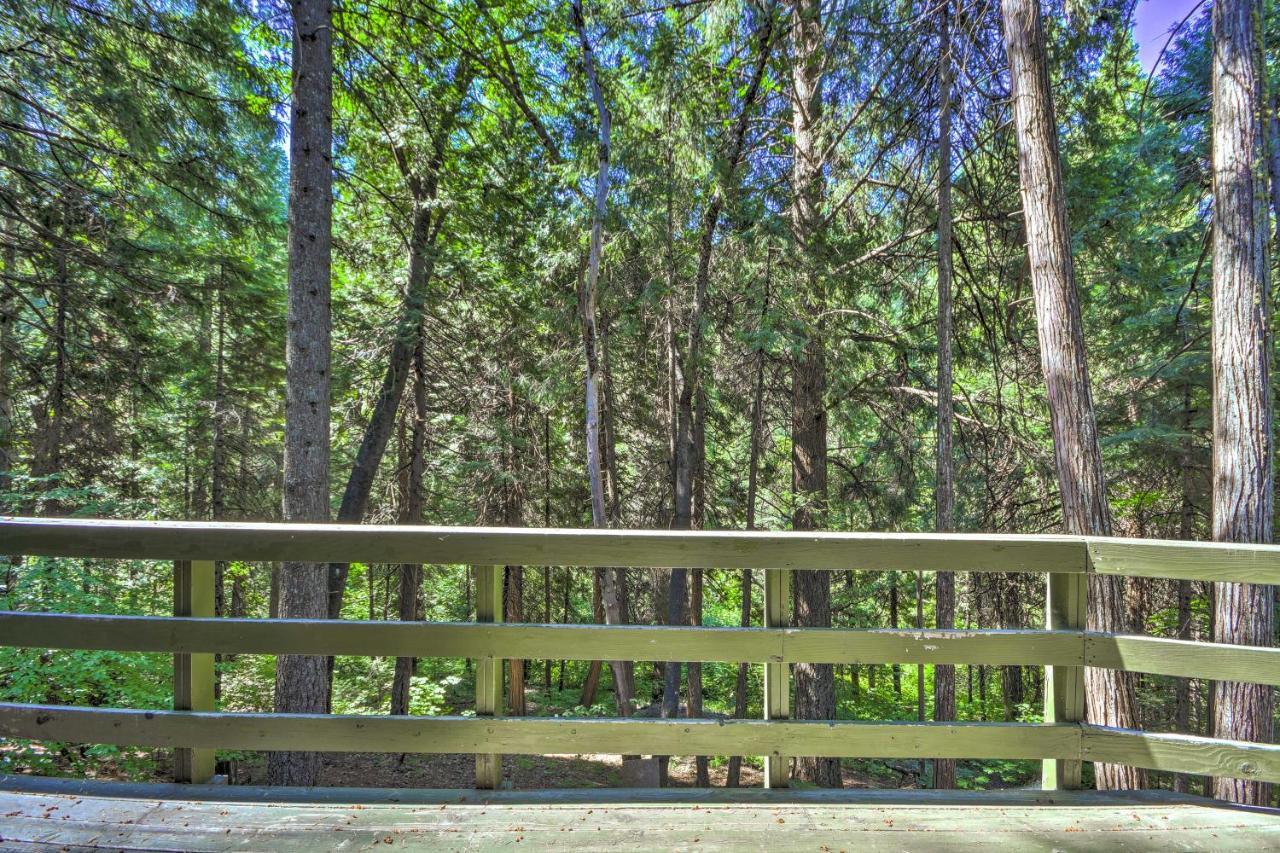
(67, 814)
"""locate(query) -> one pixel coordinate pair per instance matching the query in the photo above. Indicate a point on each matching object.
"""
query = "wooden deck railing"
(195, 729)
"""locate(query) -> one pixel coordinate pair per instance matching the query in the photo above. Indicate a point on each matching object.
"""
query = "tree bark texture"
(1077, 456)
(301, 680)
(1242, 408)
(814, 683)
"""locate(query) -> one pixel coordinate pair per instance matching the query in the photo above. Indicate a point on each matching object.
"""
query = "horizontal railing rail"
(951, 552)
(1027, 647)
(825, 738)
(193, 636)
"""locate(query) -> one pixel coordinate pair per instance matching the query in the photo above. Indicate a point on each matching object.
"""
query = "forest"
(847, 265)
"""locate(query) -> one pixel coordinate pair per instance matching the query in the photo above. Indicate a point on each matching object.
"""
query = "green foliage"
(143, 188)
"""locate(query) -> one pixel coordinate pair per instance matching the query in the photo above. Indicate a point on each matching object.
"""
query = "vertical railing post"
(489, 671)
(1065, 603)
(777, 675)
(193, 673)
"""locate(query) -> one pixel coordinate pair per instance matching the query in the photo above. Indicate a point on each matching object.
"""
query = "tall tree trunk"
(688, 369)
(815, 683)
(894, 602)
(623, 677)
(51, 417)
(753, 475)
(301, 680)
(702, 774)
(8, 345)
(218, 465)
(546, 522)
(411, 513)
(1077, 455)
(592, 682)
(220, 413)
(1182, 694)
(513, 587)
(7, 357)
(1242, 403)
(944, 675)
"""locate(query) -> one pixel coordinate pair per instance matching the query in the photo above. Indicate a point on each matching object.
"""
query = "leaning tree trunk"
(1077, 456)
(815, 683)
(424, 234)
(1242, 441)
(944, 675)
(623, 675)
(301, 680)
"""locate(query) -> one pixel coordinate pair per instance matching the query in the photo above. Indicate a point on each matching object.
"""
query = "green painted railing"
(194, 729)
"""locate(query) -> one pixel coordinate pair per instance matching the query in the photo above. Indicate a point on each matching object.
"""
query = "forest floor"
(524, 772)
(384, 770)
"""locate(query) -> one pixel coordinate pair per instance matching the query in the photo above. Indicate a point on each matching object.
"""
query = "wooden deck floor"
(46, 814)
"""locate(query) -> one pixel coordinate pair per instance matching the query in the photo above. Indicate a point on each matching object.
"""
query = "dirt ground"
(523, 772)
(383, 770)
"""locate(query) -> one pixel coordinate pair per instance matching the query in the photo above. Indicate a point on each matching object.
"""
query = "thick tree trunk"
(944, 675)
(1077, 455)
(815, 683)
(1242, 407)
(301, 681)
(592, 683)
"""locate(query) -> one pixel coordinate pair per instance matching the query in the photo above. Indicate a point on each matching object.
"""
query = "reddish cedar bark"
(1077, 456)
(1242, 416)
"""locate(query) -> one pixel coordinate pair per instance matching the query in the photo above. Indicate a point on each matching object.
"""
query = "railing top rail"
(190, 540)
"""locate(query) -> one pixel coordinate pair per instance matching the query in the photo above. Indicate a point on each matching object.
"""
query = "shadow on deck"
(64, 814)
